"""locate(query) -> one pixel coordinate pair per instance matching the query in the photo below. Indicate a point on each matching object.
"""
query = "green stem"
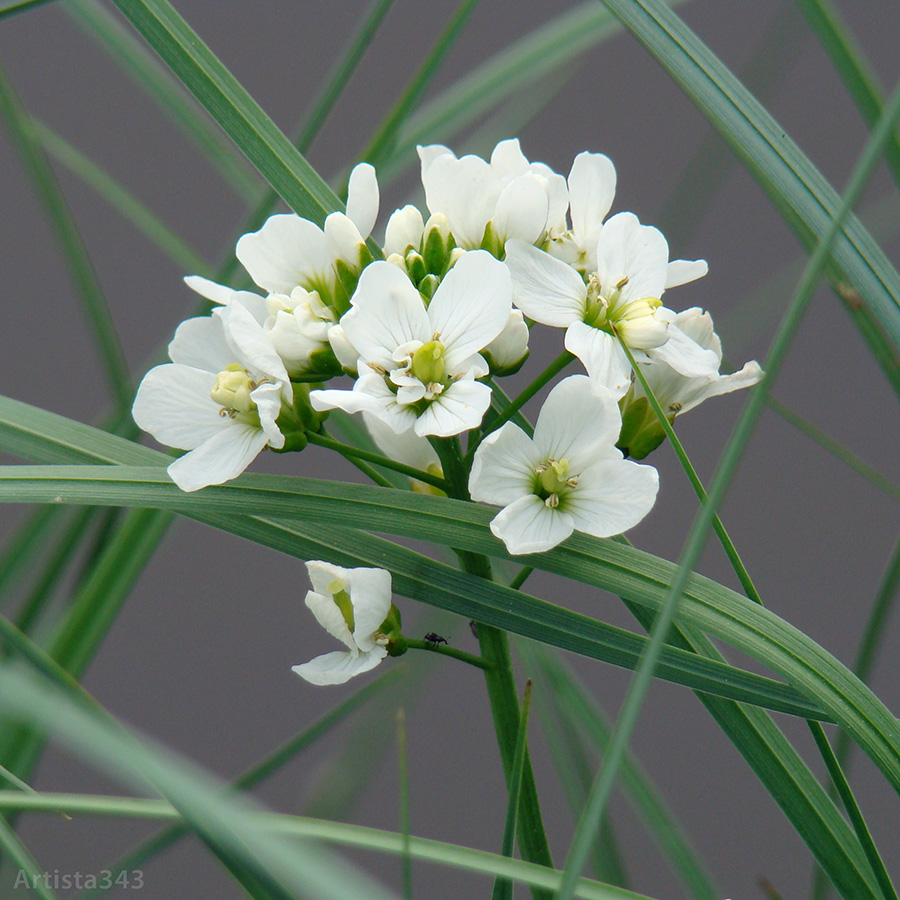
(350, 452)
(521, 577)
(444, 650)
(548, 374)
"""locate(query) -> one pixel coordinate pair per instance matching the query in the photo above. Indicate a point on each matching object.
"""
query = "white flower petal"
(522, 210)
(285, 252)
(369, 394)
(592, 186)
(507, 159)
(173, 404)
(470, 307)
(387, 313)
(267, 398)
(503, 469)
(602, 356)
(578, 424)
(697, 390)
(255, 349)
(370, 593)
(328, 614)
(221, 458)
(545, 289)
(363, 198)
(201, 343)
(627, 249)
(218, 293)
(529, 526)
(322, 574)
(342, 239)
(682, 271)
(685, 356)
(459, 408)
(404, 230)
(465, 191)
(612, 496)
(338, 667)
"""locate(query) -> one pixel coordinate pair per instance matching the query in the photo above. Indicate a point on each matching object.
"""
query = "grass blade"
(20, 856)
(571, 700)
(133, 59)
(503, 887)
(109, 348)
(252, 131)
(780, 167)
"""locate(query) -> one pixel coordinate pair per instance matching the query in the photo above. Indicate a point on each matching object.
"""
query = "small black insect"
(433, 638)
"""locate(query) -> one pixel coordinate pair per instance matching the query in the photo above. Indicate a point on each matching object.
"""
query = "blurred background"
(200, 655)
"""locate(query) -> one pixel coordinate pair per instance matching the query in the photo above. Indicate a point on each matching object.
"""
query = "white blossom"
(621, 297)
(569, 477)
(678, 393)
(516, 198)
(418, 366)
(351, 605)
(219, 398)
(290, 251)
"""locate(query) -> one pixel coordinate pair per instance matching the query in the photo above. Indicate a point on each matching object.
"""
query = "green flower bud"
(428, 285)
(641, 432)
(415, 266)
(437, 244)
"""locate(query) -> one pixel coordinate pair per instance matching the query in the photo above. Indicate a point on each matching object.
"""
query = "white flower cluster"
(419, 327)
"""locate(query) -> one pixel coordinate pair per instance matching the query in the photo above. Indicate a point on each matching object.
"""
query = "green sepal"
(415, 266)
(436, 247)
(347, 279)
(641, 432)
(428, 286)
(295, 440)
(397, 644)
(491, 242)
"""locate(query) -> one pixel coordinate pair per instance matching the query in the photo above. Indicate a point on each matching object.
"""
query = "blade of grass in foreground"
(109, 348)
(253, 132)
(255, 775)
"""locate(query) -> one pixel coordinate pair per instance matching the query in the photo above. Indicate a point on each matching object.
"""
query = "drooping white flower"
(418, 365)
(678, 393)
(351, 605)
(621, 297)
(508, 197)
(219, 398)
(290, 251)
(297, 324)
(569, 477)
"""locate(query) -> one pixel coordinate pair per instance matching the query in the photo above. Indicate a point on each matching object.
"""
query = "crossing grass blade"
(793, 183)
(229, 104)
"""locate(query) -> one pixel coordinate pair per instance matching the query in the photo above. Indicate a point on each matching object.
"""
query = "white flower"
(509, 350)
(296, 324)
(417, 366)
(289, 251)
(591, 187)
(407, 448)
(569, 477)
(404, 229)
(218, 398)
(518, 199)
(678, 393)
(622, 296)
(351, 605)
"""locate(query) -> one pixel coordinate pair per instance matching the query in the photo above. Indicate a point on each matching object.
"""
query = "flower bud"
(232, 389)
(509, 350)
(437, 244)
(415, 266)
(404, 230)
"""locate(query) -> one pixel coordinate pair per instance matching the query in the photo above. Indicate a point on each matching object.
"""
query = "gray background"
(200, 657)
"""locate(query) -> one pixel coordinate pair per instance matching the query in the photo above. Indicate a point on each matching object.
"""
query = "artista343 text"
(128, 879)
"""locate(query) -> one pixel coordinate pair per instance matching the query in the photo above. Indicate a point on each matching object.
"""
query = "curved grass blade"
(253, 132)
(109, 348)
(150, 488)
(133, 59)
(571, 700)
(29, 541)
(439, 852)
(774, 160)
(296, 866)
(12, 7)
(20, 856)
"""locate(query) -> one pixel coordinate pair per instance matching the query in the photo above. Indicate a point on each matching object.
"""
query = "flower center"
(428, 363)
(609, 312)
(232, 392)
(553, 481)
(341, 598)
